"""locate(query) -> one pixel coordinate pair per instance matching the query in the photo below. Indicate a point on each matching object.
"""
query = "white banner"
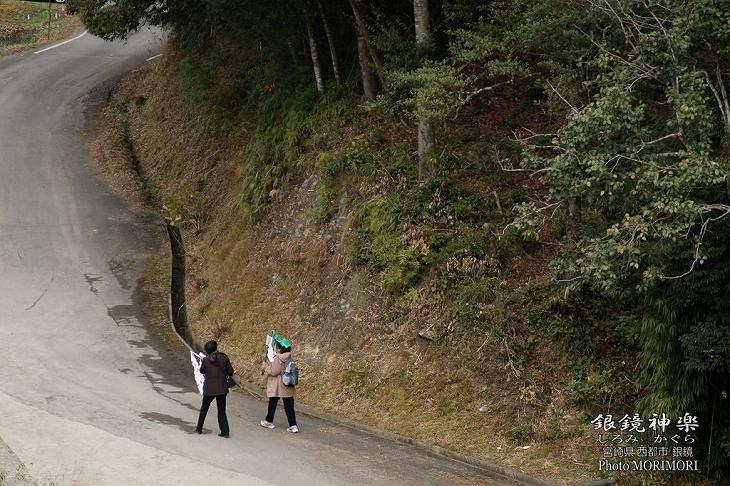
(199, 378)
(270, 353)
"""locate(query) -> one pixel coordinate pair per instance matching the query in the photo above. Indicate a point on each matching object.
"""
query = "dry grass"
(114, 155)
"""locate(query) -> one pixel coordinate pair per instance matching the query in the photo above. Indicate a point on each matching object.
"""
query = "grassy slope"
(501, 387)
(18, 32)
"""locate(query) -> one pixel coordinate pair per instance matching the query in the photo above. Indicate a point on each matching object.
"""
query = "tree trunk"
(177, 283)
(368, 81)
(292, 52)
(423, 22)
(425, 126)
(425, 148)
(319, 82)
(723, 102)
(574, 218)
(331, 42)
(725, 108)
(362, 30)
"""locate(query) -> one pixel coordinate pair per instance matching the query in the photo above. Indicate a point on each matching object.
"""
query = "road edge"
(431, 449)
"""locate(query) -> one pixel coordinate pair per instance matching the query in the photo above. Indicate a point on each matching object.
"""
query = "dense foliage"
(631, 119)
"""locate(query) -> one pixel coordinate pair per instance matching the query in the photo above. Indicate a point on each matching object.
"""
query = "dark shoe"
(198, 431)
(225, 436)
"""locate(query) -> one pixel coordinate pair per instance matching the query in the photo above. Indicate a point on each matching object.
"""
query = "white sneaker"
(293, 429)
(266, 424)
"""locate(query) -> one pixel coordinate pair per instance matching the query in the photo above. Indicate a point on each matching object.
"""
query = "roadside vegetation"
(25, 24)
(484, 223)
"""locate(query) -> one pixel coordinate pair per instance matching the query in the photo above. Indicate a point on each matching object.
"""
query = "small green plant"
(381, 223)
(530, 290)
(328, 165)
(520, 433)
(552, 429)
(507, 245)
(592, 386)
(360, 158)
(362, 382)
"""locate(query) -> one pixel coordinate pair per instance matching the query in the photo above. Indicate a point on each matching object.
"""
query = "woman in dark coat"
(215, 367)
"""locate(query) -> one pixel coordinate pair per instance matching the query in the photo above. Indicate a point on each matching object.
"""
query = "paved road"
(87, 395)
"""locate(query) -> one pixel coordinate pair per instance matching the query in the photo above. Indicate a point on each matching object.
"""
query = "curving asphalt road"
(87, 396)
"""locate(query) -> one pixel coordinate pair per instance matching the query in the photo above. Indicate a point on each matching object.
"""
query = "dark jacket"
(215, 367)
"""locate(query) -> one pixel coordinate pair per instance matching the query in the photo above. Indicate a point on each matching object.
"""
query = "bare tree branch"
(725, 210)
(478, 92)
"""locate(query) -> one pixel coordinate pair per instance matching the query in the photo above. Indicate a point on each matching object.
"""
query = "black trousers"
(220, 401)
(288, 408)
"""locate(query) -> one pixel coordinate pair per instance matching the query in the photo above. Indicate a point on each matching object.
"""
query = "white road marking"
(153, 57)
(62, 43)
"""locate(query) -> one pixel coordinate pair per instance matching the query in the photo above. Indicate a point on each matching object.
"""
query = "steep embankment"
(457, 359)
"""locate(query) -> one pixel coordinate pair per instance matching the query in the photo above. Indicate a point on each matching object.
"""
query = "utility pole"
(49, 19)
